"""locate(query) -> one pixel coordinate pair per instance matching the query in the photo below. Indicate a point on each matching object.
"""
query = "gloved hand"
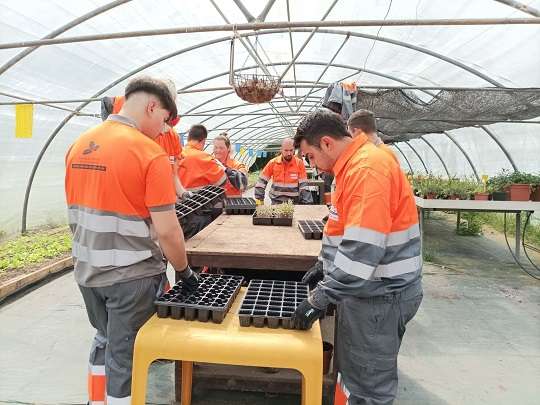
(190, 279)
(314, 275)
(305, 315)
(187, 194)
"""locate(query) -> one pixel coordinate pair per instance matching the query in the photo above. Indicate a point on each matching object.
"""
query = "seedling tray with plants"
(240, 206)
(211, 301)
(311, 229)
(281, 215)
(271, 303)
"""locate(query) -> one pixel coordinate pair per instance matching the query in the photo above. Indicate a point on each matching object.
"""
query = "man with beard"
(289, 178)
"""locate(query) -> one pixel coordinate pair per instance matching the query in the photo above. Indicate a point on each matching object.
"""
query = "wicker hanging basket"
(255, 88)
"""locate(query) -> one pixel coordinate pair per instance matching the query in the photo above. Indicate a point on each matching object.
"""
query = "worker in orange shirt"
(362, 122)
(120, 203)
(371, 258)
(168, 138)
(289, 178)
(222, 152)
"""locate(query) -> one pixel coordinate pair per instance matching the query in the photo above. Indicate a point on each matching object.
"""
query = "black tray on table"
(240, 206)
(271, 303)
(271, 221)
(204, 198)
(311, 229)
(211, 301)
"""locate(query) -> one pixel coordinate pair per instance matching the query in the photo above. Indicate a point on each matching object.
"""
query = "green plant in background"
(34, 248)
(505, 178)
(470, 224)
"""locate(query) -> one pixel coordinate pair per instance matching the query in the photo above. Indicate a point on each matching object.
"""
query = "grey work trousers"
(118, 312)
(370, 331)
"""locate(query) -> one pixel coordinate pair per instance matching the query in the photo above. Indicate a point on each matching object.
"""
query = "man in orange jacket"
(168, 139)
(362, 122)
(371, 258)
(120, 199)
(289, 178)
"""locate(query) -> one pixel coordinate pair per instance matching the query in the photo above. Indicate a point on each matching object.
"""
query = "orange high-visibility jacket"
(116, 175)
(289, 181)
(230, 190)
(371, 242)
(198, 169)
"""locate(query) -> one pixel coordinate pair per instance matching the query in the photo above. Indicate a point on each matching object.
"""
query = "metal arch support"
(215, 41)
(521, 7)
(464, 154)
(500, 145)
(418, 155)
(404, 157)
(438, 155)
(73, 23)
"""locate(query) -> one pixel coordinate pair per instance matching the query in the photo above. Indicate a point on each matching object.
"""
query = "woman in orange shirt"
(236, 171)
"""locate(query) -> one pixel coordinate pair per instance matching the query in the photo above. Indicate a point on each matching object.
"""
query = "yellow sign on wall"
(24, 114)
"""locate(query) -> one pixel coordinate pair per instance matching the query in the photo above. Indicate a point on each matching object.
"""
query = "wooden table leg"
(187, 380)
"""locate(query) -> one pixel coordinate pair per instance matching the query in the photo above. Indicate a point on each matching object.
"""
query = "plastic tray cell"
(211, 301)
(240, 206)
(204, 198)
(271, 303)
(311, 229)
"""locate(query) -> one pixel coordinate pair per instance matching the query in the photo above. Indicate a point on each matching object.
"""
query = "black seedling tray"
(311, 229)
(271, 303)
(212, 299)
(204, 198)
(240, 206)
(271, 221)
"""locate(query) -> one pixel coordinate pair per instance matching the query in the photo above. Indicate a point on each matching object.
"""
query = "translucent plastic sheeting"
(505, 55)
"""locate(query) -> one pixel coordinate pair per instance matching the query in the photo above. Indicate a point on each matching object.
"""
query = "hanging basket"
(255, 88)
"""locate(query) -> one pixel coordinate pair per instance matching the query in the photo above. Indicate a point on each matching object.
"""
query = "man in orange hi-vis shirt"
(168, 139)
(371, 257)
(120, 199)
(289, 178)
(362, 122)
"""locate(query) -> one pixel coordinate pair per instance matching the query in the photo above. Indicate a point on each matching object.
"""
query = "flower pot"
(519, 192)
(481, 196)
(499, 196)
(328, 349)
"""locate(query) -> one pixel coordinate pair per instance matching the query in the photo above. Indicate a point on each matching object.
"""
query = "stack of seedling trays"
(204, 198)
(211, 301)
(240, 206)
(311, 229)
(271, 303)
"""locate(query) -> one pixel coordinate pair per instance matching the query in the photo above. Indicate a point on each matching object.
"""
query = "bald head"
(287, 149)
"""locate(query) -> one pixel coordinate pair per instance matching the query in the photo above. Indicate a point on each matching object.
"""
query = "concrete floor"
(475, 340)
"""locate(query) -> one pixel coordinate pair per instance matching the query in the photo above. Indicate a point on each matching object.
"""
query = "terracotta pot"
(328, 349)
(481, 196)
(519, 192)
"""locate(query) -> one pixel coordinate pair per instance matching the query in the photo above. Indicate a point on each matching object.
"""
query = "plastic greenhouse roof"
(505, 55)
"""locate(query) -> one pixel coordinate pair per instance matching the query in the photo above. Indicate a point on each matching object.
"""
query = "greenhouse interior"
(391, 148)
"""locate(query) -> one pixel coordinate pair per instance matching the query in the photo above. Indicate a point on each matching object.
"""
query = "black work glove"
(190, 279)
(305, 315)
(313, 275)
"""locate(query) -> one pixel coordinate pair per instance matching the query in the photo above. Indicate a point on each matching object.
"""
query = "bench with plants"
(280, 215)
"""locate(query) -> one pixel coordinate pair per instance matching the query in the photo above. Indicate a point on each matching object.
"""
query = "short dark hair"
(318, 124)
(156, 87)
(198, 133)
(364, 120)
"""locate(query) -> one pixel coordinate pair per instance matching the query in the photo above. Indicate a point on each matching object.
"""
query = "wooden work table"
(232, 241)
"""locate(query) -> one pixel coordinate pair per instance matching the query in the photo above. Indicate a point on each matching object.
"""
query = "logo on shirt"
(333, 214)
(92, 147)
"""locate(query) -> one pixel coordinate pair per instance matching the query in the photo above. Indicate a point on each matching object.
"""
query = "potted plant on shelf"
(497, 184)
(518, 186)
(481, 193)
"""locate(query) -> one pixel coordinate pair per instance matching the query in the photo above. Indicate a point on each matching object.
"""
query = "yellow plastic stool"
(227, 343)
